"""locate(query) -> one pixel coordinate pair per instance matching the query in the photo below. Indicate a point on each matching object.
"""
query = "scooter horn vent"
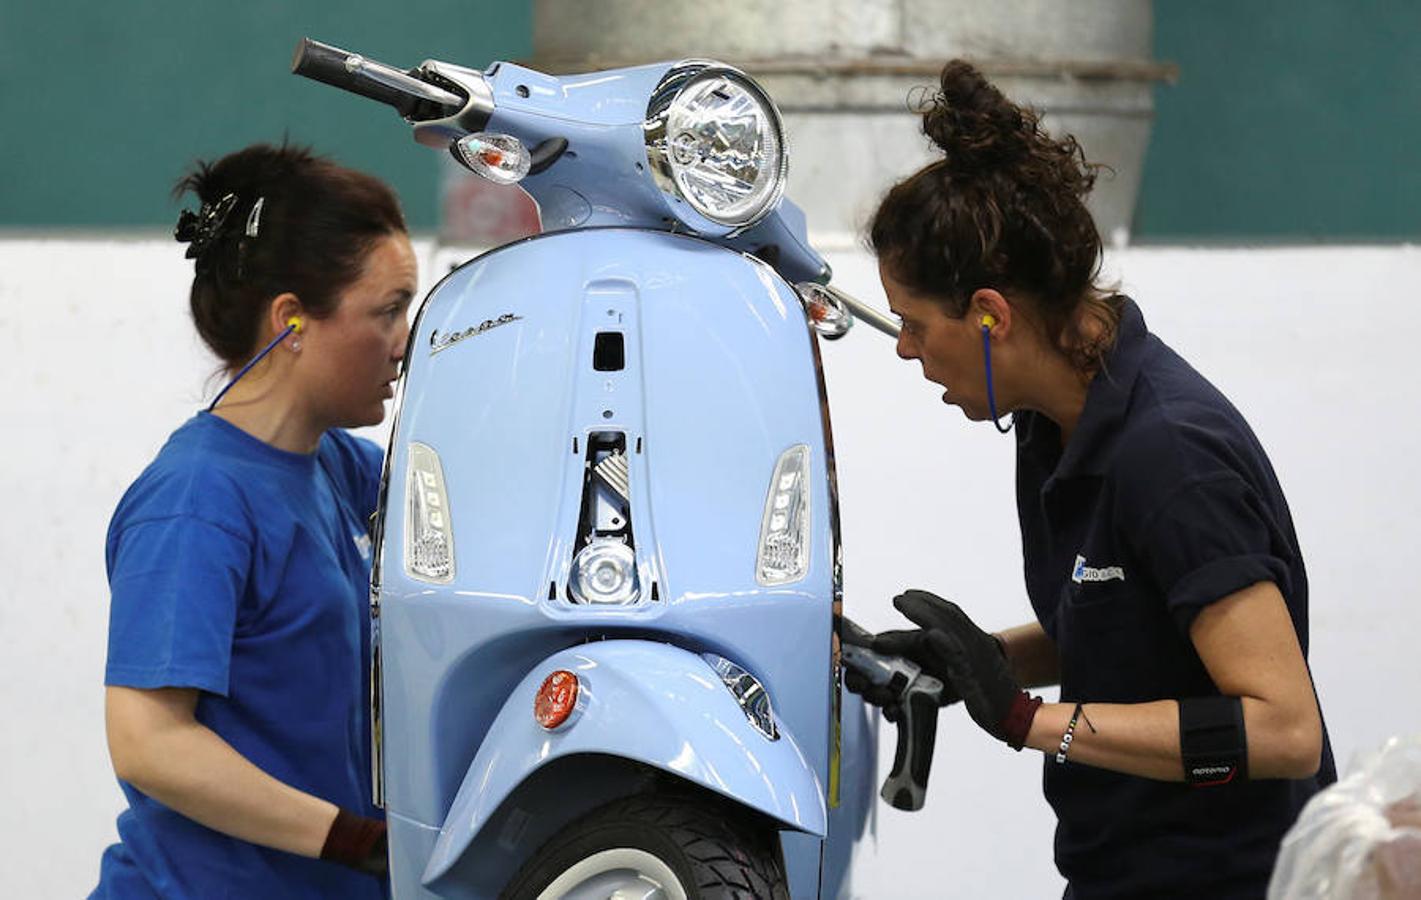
(613, 470)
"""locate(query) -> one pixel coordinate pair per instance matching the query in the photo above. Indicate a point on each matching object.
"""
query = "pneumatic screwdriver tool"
(917, 696)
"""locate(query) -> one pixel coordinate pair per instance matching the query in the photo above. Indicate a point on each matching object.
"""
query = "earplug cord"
(992, 394)
(293, 325)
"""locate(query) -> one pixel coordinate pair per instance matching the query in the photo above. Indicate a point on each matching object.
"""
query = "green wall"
(1292, 120)
(102, 105)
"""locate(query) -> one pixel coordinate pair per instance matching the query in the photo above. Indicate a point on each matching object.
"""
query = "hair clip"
(254, 218)
(199, 229)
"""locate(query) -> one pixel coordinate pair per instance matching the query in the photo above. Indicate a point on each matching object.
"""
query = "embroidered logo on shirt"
(1083, 573)
(362, 544)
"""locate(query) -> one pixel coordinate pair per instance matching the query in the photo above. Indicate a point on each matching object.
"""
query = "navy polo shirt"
(1162, 502)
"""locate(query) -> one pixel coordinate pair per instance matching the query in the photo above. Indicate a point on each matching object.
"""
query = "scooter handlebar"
(408, 94)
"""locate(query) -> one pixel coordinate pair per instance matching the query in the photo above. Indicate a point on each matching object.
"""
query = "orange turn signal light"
(556, 699)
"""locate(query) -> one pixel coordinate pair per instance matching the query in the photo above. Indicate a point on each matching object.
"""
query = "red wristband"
(1017, 723)
(356, 841)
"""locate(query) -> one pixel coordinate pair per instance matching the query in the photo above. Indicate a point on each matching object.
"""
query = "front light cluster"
(785, 527)
(429, 534)
(715, 143)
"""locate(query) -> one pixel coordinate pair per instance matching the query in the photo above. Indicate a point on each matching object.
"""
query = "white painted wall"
(1315, 345)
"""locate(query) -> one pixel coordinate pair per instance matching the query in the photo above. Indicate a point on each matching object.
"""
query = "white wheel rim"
(622, 873)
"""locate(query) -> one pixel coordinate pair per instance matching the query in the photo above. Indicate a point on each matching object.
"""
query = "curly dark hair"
(317, 222)
(1004, 209)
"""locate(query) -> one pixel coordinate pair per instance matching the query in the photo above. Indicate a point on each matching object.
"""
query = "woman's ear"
(283, 310)
(989, 309)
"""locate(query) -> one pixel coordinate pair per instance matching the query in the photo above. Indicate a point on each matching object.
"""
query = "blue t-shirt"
(243, 571)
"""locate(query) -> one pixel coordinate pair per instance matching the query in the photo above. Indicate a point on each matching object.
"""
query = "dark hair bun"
(976, 127)
(974, 124)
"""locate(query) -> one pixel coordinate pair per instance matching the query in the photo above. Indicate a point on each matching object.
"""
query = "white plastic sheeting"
(1361, 838)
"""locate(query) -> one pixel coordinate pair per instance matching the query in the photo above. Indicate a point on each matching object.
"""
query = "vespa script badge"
(442, 341)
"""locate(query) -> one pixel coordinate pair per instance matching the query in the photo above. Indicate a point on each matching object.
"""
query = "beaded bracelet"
(1070, 734)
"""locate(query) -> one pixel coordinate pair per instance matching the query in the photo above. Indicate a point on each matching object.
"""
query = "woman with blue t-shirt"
(239, 561)
(1170, 597)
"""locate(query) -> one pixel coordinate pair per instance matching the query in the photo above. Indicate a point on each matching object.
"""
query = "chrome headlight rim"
(673, 84)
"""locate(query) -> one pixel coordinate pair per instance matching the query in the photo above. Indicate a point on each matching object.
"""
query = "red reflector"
(556, 699)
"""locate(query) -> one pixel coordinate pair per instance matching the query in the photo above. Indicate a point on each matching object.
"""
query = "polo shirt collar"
(1106, 405)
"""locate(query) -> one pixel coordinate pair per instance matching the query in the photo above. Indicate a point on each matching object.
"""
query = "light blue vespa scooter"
(607, 565)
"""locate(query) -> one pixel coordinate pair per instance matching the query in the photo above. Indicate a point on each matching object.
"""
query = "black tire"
(715, 851)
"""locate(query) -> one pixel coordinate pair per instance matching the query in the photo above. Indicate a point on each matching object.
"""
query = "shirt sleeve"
(371, 465)
(175, 584)
(1209, 539)
(356, 464)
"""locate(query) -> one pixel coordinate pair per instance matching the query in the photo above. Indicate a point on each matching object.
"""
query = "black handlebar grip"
(331, 65)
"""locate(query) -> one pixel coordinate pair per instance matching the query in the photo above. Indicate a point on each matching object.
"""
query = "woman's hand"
(968, 660)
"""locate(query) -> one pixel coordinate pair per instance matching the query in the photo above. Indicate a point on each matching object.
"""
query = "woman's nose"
(402, 341)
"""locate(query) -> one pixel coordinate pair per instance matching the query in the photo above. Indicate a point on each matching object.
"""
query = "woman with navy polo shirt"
(239, 561)
(1169, 592)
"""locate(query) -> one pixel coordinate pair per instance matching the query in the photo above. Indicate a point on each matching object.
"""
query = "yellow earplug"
(294, 323)
(988, 321)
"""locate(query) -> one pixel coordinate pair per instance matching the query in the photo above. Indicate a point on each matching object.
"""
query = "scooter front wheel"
(657, 847)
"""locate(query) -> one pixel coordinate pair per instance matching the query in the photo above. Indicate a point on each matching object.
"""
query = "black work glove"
(886, 697)
(970, 662)
(358, 842)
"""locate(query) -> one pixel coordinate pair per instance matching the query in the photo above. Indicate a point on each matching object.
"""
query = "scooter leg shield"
(655, 704)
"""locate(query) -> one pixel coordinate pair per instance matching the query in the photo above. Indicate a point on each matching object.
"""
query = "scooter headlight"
(784, 529)
(604, 573)
(715, 142)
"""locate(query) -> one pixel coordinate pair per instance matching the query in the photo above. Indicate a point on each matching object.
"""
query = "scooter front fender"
(647, 702)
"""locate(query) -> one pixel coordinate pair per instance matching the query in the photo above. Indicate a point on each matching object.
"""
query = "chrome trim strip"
(836, 551)
(377, 542)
